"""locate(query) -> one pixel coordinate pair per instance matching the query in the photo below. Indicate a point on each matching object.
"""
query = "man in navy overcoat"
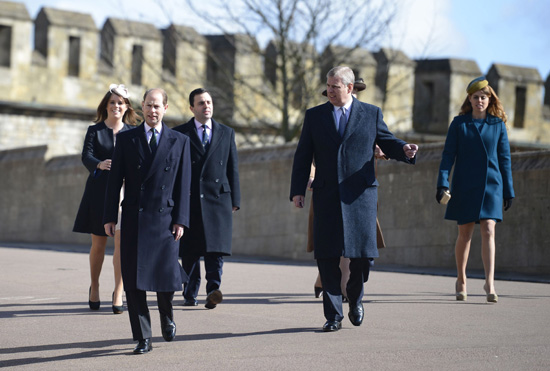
(154, 164)
(340, 137)
(215, 195)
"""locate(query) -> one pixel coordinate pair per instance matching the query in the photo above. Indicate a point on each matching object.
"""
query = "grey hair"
(344, 73)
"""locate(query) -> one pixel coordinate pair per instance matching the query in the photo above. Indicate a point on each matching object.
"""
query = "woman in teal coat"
(477, 145)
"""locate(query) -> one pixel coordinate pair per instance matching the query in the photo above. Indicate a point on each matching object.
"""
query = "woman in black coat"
(114, 114)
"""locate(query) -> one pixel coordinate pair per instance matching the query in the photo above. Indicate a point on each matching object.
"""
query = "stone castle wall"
(40, 199)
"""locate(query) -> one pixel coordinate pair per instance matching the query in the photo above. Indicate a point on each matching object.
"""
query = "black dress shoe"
(94, 305)
(168, 329)
(213, 298)
(356, 314)
(190, 303)
(331, 326)
(144, 346)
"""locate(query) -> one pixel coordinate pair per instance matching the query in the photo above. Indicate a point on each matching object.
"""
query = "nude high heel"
(491, 298)
(460, 295)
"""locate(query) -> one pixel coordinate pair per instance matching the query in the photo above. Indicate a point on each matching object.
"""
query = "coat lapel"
(330, 123)
(140, 142)
(190, 130)
(355, 118)
(165, 144)
(105, 136)
(217, 138)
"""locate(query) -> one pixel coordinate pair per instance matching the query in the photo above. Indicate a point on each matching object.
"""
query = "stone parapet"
(40, 199)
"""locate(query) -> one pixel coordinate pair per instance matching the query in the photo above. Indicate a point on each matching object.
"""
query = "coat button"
(202, 195)
(163, 187)
(201, 179)
(139, 167)
(167, 168)
(217, 196)
(142, 187)
(193, 162)
(221, 162)
(141, 209)
(217, 180)
(161, 210)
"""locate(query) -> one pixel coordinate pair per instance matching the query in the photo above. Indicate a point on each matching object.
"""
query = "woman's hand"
(104, 165)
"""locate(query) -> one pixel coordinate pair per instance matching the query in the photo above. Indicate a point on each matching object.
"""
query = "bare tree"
(285, 41)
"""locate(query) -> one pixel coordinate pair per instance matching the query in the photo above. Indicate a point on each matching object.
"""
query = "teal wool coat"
(482, 175)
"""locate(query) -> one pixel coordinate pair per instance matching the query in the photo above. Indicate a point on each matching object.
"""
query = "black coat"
(156, 196)
(345, 195)
(215, 191)
(98, 146)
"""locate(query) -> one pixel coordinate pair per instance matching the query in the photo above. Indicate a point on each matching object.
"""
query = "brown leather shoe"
(213, 298)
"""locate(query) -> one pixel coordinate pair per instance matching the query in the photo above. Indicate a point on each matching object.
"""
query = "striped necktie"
(153, 142)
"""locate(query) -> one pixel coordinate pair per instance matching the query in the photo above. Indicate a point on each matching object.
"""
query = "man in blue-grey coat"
(153, 162)
(340, 137)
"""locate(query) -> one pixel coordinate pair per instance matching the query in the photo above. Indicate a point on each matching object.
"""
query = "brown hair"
(495, 106)
(130, 117)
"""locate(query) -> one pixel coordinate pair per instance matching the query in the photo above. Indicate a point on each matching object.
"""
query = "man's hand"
(410, 150)
(110, 229)
(298, 201)
(177, 231)
(378, 153)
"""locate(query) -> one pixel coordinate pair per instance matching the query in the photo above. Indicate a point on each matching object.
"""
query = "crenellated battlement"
(73, 62)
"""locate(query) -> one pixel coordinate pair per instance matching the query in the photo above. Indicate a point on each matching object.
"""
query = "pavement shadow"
(37, 310)
(106, 348)
(101, 348)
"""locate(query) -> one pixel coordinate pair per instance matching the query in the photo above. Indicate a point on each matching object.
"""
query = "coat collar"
(218, 133)
(354, 118)
(165, 144)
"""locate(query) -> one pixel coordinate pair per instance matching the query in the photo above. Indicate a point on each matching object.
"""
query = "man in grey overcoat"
(153, 163)
(215, 196)
(340, 138)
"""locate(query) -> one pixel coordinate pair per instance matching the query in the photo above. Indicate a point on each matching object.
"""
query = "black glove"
(439, 193)
(507, 203)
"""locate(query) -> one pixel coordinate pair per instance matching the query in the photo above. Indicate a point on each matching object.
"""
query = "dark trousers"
(329, 269)
(213, 265)
(140, 320)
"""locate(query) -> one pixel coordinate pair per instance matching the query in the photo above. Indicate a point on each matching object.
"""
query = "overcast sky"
(515, 32)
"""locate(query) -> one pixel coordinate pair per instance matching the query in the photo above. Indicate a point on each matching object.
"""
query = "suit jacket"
(156, 197)
(215, 191)
(482, 176)
(344, 188)
(98, 146)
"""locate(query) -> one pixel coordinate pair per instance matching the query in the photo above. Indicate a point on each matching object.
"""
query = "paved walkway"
(269, 320)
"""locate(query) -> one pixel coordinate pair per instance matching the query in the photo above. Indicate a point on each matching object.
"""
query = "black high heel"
(117, 309)
(94, 305)
(318, 291)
